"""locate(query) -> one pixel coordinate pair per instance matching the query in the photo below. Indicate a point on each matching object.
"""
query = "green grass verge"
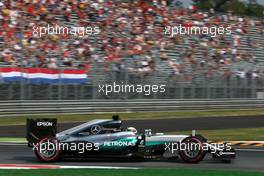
(140, 172)
(135, 115)
(13, 140)
(240, 134)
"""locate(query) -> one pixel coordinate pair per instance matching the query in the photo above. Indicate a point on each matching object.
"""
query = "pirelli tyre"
(48, 149)
(191, 150)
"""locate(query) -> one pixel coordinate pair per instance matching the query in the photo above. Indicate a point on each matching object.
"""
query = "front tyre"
(191, 150)
(48, 150)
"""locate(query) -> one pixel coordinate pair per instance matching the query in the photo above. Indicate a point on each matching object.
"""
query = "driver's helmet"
(132, 129)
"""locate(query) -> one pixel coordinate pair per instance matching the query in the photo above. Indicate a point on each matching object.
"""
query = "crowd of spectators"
(129, 30)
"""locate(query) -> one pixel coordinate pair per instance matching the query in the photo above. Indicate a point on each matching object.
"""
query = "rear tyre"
(192, 150)
(48, 150)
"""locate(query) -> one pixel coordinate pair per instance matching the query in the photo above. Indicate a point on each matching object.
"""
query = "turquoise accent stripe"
(150, 143)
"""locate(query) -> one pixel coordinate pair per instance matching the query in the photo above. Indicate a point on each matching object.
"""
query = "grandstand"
(127, 50)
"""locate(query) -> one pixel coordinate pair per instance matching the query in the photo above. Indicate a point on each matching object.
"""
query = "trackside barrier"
(46, 107)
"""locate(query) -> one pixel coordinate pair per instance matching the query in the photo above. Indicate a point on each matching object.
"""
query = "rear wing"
(39, 128)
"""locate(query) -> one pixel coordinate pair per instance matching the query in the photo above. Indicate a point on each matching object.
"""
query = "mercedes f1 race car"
(108, 139)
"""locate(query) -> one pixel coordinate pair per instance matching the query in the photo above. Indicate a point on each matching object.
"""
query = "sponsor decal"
(119, 144)
(44, 124)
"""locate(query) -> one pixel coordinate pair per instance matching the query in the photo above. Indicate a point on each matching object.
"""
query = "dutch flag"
(43, 76)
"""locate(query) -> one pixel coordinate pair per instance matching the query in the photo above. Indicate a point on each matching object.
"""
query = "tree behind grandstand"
(251, 8)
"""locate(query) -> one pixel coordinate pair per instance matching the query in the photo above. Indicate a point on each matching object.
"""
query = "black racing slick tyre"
(191, 150)
(48, 150)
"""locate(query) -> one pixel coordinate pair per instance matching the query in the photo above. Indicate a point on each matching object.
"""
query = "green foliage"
(204, 5)
(255, 10)
(235, 6)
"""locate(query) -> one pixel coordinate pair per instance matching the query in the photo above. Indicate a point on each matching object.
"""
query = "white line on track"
(24, 166)
(14, 168)
(95, 167)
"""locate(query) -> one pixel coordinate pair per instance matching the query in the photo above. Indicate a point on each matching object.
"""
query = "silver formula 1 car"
(107, 139)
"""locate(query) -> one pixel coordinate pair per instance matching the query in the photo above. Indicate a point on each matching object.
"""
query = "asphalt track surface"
(162, 125)
(246, 160)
